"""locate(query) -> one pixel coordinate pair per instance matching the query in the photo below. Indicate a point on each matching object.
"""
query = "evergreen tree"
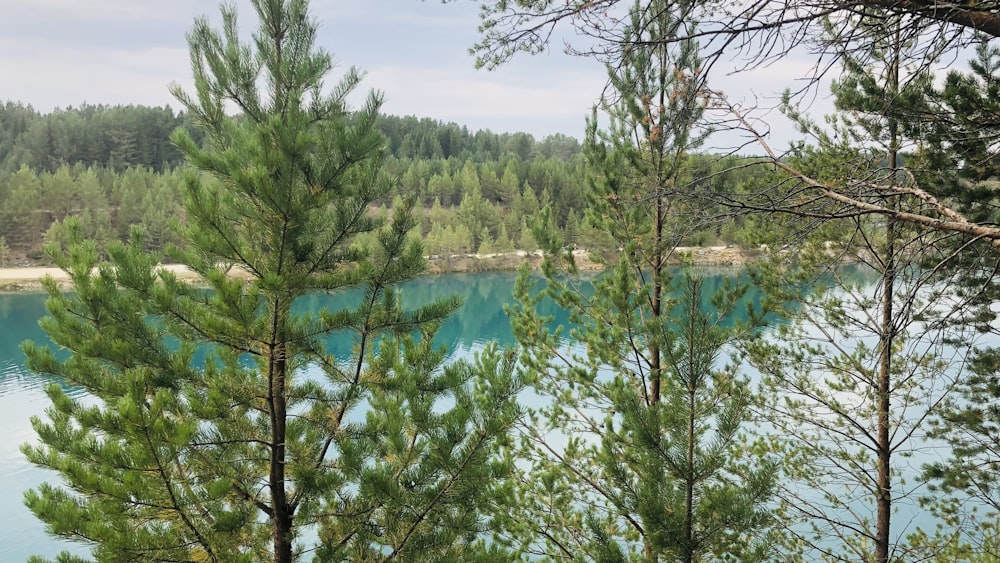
(571, 232)
(861, 359)
(969, 421)
(225, 426)
(490, 182)
(59, 191)
(510, 186)
(525, 204)
(637, 453)
(477, 214)
(503, 243)
(526, 237)
(486, 243)
(461, 240)
(22, 210)
(441, 186)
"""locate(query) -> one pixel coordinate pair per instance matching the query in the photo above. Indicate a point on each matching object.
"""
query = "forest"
(798, 411)
(115, 167)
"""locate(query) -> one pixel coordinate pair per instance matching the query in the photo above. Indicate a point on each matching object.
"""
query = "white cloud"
(55, 53)
(498, 100)
(72, 76)
(104, 10)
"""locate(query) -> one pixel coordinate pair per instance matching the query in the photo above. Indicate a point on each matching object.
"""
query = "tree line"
(133, 136)
(478, 194)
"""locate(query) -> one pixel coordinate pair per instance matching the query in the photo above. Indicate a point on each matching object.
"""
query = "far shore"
(28, 279)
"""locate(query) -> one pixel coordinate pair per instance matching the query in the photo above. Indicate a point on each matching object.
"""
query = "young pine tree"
(222, 425)
(636, 452)
(862, 364)
(965, 166)
(4, 251)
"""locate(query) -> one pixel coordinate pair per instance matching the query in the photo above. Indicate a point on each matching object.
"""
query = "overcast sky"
(57, 53)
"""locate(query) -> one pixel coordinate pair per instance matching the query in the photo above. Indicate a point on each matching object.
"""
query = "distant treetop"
(120, 137)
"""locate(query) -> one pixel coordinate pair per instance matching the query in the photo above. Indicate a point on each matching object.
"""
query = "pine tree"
(860, 358)
(969, 421)
(503, 243)
(59, 192)
(4, 251)
(510, 186)
(223, 425)
(571, 232)
(526, 237)
(20, 217)
(637, 454)
(486, 243)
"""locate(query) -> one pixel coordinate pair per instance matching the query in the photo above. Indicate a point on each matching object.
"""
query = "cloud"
(500, 101)
(72, 76)
(105, 10)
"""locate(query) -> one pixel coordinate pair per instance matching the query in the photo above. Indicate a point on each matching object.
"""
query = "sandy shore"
(29, 279)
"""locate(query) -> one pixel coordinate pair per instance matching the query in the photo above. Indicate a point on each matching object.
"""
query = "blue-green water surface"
(480, 320)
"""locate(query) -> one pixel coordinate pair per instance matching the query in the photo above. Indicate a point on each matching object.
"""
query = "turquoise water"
(480, 320)
(21, 396)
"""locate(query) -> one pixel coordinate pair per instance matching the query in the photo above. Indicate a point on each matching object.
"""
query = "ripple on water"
(16, 379)
(22, 395)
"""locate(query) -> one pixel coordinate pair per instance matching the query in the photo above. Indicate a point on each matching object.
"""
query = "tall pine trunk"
(884, 478)
(277, 401)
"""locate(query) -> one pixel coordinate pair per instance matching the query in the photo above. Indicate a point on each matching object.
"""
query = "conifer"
(233, 423)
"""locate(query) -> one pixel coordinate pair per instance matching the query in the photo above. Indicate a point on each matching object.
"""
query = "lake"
(480, 320)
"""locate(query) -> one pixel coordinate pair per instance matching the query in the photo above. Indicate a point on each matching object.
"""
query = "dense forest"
(114, 167)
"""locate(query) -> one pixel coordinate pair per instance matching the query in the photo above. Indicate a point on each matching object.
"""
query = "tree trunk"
(884, 447)
(883, 485)
(278, 405)
(655, 363)
(689, 479)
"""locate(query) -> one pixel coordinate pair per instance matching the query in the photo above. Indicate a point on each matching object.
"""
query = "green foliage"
(640, 167)
(94, 135)
(968, 423)
(221, 427)
(855, 374)
(637, 453)
(899, 151)
(122, 137)
(526, 238)
(672, 478)
(848, 385)
(964, 139)
(958, 164)
(472, 191)
(21, 209)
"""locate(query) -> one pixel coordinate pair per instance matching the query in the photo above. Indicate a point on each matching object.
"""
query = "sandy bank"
(29, 279)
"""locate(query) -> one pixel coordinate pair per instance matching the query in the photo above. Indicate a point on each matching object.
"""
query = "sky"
(59, 53)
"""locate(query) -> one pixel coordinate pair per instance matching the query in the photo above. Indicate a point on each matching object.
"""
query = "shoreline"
(29, 279)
